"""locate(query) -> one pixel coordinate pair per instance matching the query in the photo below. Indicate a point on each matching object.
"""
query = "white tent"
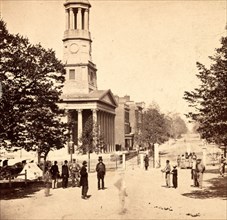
(33, 171)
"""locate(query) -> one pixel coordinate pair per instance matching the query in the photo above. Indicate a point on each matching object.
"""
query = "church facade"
(81, 98)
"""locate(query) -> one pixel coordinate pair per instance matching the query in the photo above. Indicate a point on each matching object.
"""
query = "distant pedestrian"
(65, 174)
(47, 181)
(167, 171)
(194, 157)
(74, 169)
(175, 176)
(194, 173)
(178, 160)
(55, 174)
(84, 180)
(200, 169)
(121, 186)
(101, 171)
(222, 162)
(146, 162)
(182, 161)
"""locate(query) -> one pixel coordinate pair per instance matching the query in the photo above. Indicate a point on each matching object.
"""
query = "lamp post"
(71, 145)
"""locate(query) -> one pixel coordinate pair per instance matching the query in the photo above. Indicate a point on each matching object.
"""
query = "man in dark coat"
(84, 180)
(54, 174)
(101, 171)
(146, 162)
(65, 174)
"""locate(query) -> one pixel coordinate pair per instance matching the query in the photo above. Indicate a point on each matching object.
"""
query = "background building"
(81, 96)
(128, 122)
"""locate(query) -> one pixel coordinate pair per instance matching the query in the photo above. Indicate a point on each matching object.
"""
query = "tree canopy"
(209, 100)
(32, 79)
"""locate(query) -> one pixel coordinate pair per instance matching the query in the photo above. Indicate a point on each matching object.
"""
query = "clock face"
(74, 48)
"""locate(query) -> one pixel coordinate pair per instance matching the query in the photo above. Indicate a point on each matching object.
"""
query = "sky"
(145, 49)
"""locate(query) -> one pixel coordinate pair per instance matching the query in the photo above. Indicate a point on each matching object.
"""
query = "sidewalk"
(148, 198)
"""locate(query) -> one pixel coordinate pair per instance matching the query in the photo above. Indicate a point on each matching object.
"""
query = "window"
(71, 74)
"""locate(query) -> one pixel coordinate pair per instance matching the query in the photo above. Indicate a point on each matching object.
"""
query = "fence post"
(25, 177)
(123, 161)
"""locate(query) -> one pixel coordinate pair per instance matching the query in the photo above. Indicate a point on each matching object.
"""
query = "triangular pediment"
(108, 98)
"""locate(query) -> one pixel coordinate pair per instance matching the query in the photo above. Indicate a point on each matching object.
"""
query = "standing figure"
(182, 161)
(190, 160)
(222, 161)
(121, 186)
(84, 180)
(146, 162)
(65, 174)
(47, 181)
(174, 172)
(194, 172)
(75, 173)
(167, 170)
(178, 160)
(101, 171)
(200, 168)
(55, 174)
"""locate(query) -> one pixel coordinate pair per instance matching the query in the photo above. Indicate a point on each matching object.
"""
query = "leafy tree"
(209, 100)
(32, 79)
(176, 125)
(92, 139)
(154, 129)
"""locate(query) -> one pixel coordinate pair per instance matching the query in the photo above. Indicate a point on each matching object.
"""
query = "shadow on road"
(217, 189)
(20, 192)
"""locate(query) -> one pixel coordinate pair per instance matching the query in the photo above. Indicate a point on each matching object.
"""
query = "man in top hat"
(65, 174)
(84, 180)
(101, 171)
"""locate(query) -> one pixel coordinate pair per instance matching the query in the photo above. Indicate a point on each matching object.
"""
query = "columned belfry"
(80, 71)
(81, 96)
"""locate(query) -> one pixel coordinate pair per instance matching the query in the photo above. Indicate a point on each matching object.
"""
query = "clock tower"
(80, 70)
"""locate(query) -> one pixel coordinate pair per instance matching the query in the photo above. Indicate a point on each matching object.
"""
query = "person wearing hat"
(84, 180)
(101, 171)
(167, 171)
(55, 174)
(200, 169)
(174, 173)
(75, 173)
(65, 174)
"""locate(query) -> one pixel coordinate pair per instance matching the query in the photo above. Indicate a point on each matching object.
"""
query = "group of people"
(168, 171)
(186, 160)
(197, 172)
(78, 175)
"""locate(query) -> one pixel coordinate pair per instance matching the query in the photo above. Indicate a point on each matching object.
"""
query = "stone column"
(86, 20)
(66, 19)
(156, 156)
(94, 116)
(114, 132)
(71, 19)
(79, 19)
(80, 125)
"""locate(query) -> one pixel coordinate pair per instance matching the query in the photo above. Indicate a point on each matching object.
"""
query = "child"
(174, 172)
(47, 181)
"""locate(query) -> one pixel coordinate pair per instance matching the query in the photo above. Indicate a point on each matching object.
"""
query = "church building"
(81, 97)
